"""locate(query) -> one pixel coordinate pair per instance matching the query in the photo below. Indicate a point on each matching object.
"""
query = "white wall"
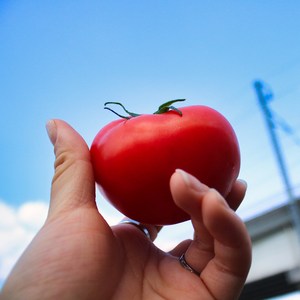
(275, 253)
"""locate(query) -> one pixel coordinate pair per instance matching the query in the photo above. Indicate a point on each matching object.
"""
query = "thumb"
(73, 183)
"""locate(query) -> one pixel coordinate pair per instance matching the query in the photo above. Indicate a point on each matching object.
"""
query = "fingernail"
(244, 182)
(52, 131)
(192, 181)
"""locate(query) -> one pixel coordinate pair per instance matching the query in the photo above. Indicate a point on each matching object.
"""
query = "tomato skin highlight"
(134, 159)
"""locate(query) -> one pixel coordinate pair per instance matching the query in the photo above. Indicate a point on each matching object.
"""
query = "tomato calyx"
(167, 106)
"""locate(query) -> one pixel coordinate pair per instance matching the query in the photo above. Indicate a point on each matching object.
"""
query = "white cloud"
(18, 225)
(32, 214)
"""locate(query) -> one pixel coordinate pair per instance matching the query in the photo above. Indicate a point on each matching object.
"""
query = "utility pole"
(264, 98)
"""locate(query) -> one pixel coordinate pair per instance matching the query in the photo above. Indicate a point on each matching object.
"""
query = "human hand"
(77, 255)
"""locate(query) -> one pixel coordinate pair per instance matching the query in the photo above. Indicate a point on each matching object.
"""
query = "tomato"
(134, 158)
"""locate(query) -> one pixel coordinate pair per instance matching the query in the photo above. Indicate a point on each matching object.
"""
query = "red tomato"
(134, 158)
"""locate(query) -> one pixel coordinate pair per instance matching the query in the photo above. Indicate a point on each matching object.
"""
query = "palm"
(88, 256)
(96, 262)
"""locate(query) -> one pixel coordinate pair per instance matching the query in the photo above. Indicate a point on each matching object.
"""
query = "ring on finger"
(138, 225)
(184, 263)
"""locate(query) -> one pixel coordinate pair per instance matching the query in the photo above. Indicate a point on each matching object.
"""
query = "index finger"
(232, 247)
(221, 250)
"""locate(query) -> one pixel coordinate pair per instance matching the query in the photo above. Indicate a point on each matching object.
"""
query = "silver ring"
(187, 266)
(138, 225)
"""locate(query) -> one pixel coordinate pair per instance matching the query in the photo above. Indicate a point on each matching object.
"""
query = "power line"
(286, 127)
(287, 91)
(284, 68)
(264, 96)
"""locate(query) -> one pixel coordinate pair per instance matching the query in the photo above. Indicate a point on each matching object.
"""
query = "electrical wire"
(286, 127)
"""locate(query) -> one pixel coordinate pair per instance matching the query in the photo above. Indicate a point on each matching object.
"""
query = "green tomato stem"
(162, 109)
(121, 116)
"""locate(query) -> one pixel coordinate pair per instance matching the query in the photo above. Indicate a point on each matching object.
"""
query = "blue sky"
(64, 59)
